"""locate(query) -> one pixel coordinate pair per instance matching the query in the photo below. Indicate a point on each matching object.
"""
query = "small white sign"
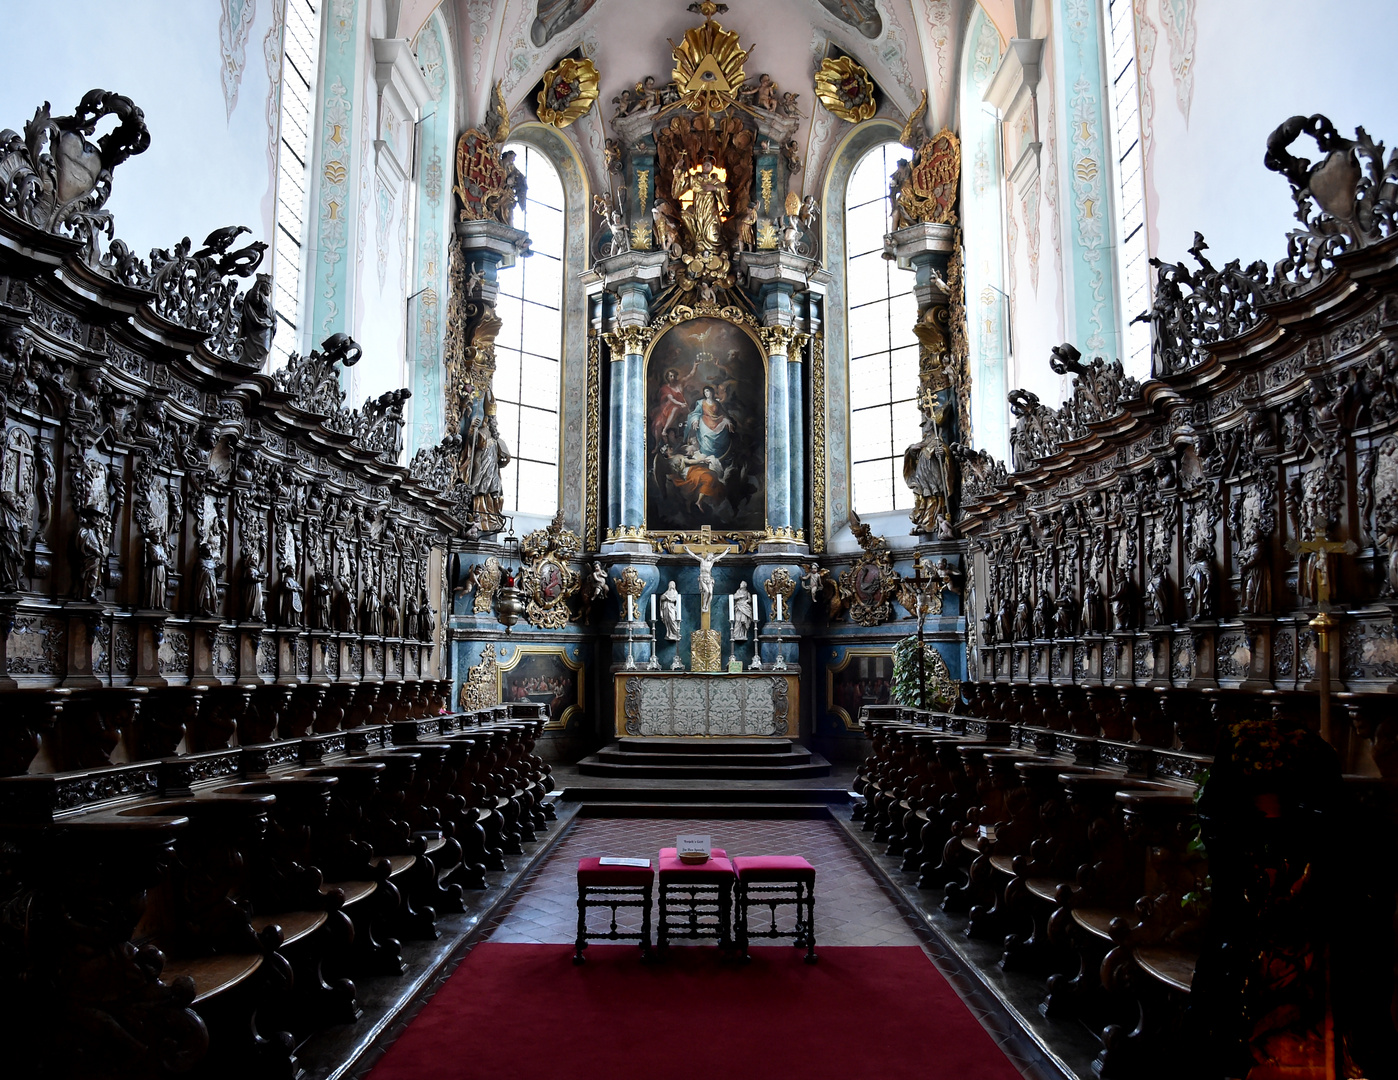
(693, 844)
(608, 860)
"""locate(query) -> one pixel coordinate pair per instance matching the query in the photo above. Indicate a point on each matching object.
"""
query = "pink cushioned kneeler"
(590, 872)
(717, 864)
(773, 868)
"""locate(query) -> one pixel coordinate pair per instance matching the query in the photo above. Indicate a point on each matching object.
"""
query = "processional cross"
(1322, 549)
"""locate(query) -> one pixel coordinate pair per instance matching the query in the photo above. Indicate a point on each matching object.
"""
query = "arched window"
(1133, 260)
(530, 342)
(300, 54)
(882, 348)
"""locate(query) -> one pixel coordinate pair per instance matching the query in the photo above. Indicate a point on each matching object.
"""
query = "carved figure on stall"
(321, 596)
(742, 613)
(1120, 599)
(1158, 593)
(44, 475)
(1023, 620)
(291, 597)
(1043, 616)
(259, 323)
(254, 575)
(1091, 606)
(1255, 569)
(392, 618)
(1005, 620)
(427, 620)
(1199, 583)
(669, 610)
(1066, 614)
(14, 539)
(370, 613)
(212, 539)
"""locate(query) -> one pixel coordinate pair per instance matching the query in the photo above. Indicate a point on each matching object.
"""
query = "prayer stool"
(705, 891)
(613, 887)
(774, 880)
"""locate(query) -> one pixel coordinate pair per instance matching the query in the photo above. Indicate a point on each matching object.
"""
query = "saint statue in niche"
(742, 613)
(705, 428)
(708, 206)
(670, 612)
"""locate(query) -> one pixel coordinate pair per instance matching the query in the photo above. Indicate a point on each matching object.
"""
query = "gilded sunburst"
(708, 66)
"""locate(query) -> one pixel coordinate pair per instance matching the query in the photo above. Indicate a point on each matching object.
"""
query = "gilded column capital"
(777, 340)
(628, 340)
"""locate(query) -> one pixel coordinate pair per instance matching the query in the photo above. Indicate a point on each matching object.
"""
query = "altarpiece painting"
(706, 428)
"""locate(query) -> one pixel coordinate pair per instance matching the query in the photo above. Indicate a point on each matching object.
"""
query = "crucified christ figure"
(706, 575)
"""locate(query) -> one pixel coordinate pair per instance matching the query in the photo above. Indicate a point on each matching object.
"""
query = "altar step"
(705, 759)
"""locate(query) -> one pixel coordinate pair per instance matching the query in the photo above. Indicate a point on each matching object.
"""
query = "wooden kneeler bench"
(773, 881)
(613, 887)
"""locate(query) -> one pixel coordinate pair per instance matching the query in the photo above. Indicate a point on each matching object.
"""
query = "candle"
(779, 607)
(730, 609)
(652, 607)
(630, 609)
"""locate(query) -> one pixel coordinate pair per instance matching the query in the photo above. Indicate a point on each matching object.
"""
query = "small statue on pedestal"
(741, 622)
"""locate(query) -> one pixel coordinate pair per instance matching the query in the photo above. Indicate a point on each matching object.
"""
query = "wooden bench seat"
(1173, 967)
(295, 925)
(213, 975)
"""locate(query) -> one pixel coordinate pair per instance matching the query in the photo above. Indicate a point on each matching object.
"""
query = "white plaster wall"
(205, 168)
(1255, 63)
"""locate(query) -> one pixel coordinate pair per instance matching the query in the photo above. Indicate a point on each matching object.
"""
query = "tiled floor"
(851, 906)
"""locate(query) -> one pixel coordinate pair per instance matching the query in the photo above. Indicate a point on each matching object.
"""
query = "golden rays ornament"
(708, 65)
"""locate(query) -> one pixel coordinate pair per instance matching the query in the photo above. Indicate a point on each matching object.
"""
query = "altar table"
(760, 704)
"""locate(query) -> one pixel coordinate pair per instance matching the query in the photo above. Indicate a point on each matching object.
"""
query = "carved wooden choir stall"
(1169, 789)
(230, 782)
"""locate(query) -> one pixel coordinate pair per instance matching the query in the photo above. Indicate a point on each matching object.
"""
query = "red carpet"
(524, 1012)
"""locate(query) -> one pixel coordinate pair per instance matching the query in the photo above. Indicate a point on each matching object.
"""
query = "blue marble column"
(632, 277)
(633, 500)
(616, 427)
(796, 435)
(777, 339)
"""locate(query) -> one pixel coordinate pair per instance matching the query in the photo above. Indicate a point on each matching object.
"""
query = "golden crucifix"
(705, 649)
(1315, 582)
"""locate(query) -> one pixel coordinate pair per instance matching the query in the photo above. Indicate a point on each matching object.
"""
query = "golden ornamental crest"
(845, 89)
(928, 185)
(569, 91)
(708, 65)
(548, 582)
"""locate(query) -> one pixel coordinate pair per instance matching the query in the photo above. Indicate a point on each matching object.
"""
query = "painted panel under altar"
(757, 704)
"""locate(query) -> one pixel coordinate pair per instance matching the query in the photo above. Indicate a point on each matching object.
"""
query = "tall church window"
(300, 56)
(530, 343)
(882, 348)
(1132, 256)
